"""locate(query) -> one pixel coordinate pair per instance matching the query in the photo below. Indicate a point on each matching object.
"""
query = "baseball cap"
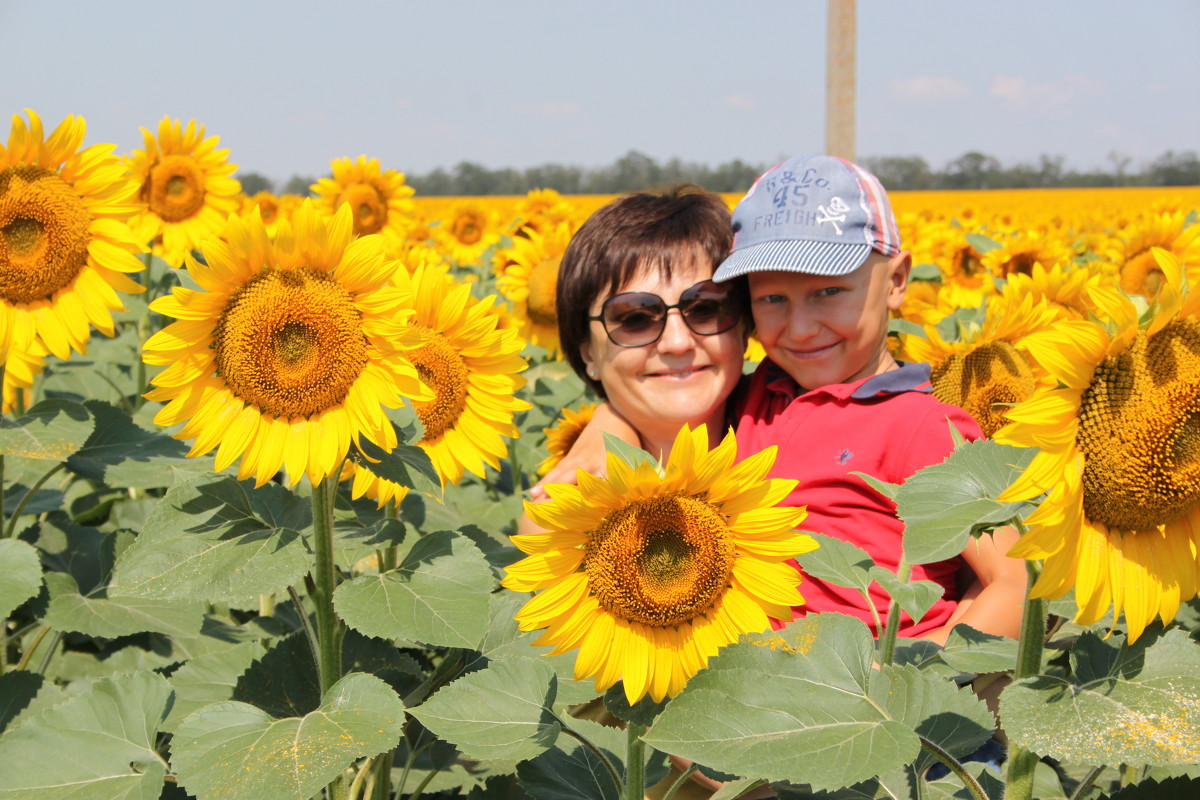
(817, 214)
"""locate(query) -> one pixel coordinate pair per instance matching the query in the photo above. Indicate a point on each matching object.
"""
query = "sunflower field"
(263, 458)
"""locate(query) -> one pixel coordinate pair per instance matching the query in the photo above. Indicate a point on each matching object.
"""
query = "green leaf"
(969, 650)
(499, 714)
(944, 504)
(1128, 704)
(20, 574)
(407, 465)
(438, 595)
(51, 431)
(804, 712)
(1169, 789)
(208, 679)
(571, 771)
(915, 597)
(643, 712)
(937, 710)
(925, 272)
(630, 454)
(17, 690)
(84, 553)
(212, 538)
(121, 453)
(110, 616)
(234, 750)
(838, 562)
(981, 243)
(97, 745)
(505, 639)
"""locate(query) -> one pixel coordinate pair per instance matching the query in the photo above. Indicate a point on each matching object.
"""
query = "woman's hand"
(588, 452)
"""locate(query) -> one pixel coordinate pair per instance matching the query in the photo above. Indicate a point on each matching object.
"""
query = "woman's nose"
(676, 337)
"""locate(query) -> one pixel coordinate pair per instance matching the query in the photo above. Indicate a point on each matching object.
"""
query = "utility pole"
(840, 68)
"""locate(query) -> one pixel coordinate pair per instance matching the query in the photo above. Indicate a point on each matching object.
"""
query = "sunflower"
(527, 274)
(470, 360)
(540, 210)
(1018, 253)
(186, 185)
(467, 233)
(272, 208)
(648, 573)
(20, 369)
(1119, 440)
(984, 372)
(561, 436)
(1137, 270)
(380, 200)
(1064, 286)
(65, 240)
(291, 349)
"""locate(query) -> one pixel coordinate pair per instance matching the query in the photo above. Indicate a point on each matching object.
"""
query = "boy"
(817, 241)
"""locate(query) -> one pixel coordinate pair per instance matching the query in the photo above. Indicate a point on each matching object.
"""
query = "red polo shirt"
(887, 426)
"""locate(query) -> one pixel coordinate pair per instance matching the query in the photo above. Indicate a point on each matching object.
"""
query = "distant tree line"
(635, 171)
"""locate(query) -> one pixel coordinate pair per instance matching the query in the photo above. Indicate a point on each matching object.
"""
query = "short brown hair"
(634, 231)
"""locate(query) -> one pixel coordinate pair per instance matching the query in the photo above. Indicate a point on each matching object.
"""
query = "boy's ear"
(898, 270)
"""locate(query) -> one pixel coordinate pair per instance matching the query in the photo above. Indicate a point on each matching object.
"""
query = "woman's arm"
(995, 601)
(588, 452)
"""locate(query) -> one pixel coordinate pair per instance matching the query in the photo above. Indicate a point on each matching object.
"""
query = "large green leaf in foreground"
(98, 745)
(1125, 704)
(20, 574)
(498, 714)
(811, 709)
(212, 538)
(438, 595)
(234, 751)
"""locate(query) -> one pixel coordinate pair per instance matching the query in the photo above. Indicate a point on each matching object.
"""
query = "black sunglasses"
(636, 319)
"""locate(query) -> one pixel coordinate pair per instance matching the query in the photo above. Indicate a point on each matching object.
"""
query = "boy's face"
(829, 329)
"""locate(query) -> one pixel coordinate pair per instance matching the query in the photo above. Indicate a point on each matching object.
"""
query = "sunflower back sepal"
(630, 454)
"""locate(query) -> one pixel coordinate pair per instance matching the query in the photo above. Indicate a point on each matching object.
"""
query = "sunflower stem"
(887, 644)
(1022, 762)
(1086, 783)
(635, 762)
(608, 765)
(381, 788)
(329, 633)
(10, 528)
(954, 766)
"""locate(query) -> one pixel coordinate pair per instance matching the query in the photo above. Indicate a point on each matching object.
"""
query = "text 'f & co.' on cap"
(816, 214)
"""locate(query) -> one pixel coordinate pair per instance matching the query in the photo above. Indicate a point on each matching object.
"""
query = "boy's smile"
(829, 329)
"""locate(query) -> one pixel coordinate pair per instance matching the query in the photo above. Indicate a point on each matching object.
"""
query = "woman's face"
(684, 377)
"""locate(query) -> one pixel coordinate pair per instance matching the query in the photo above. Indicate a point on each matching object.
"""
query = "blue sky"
(288, 86)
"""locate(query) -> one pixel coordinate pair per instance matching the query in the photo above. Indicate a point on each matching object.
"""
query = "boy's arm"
(588, 452)
(995, 601)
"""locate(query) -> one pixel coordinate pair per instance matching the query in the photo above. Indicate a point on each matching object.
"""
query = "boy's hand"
(588, 453)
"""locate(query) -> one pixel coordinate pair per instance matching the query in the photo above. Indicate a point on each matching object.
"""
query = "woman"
(642, 323)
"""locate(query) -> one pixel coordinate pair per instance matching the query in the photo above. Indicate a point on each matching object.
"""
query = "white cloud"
(929, 88)
(737, 101)
(1047, 97)
(560, 109)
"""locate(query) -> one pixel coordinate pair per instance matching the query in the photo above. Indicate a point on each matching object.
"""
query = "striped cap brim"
(794, 255)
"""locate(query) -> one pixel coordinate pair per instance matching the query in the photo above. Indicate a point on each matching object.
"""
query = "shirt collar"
(909, 377)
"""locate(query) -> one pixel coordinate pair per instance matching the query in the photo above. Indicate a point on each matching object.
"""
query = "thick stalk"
(635, 762)
(1022, 762)
(382, 780)
(954, 766)
(10, 529)
(887, 644)
(329, 632)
